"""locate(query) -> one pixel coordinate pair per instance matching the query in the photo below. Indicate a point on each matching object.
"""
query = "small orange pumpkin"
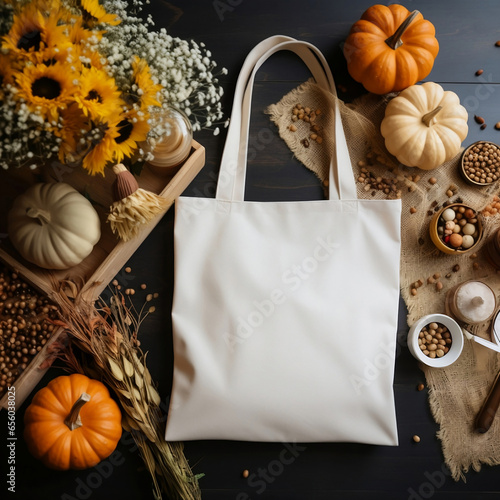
(390, 49)
(72, 423)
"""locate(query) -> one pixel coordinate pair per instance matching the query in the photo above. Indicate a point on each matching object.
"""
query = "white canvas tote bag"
(284, 313)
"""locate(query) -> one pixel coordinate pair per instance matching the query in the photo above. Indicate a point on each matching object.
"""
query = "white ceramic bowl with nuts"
(437, 330)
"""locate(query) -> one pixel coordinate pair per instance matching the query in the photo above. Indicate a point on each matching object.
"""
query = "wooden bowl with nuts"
(456, 229)
(480, 164)
(436, 340)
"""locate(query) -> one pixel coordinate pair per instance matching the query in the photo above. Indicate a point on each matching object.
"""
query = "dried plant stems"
(103, 345)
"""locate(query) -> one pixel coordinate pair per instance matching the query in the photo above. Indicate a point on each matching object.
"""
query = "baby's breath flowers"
(82, 82)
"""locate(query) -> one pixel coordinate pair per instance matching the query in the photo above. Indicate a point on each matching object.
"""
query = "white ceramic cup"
(457, 338)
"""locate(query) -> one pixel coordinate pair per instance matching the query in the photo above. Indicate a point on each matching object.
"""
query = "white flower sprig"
(185, 69)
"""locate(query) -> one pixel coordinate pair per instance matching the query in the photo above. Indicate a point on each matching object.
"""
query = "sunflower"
(98, 95)
(93, 13)
(47, 88)
(74, 127)
(79, 33)
(90, 58)
(133, 128)
(32, 31)
(50, 55)
(101, 143)
(144, 92)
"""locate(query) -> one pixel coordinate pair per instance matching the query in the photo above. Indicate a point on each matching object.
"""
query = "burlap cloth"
(455, 393)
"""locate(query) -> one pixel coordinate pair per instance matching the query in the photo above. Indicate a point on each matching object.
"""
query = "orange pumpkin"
(390, 49)
(72, 423)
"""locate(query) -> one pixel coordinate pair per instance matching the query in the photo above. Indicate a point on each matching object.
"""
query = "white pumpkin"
(53, 226)
(424, 126)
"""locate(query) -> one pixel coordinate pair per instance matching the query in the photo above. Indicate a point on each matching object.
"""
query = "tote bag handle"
(231, 182)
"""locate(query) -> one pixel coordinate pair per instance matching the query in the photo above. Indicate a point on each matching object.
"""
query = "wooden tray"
(109, 255)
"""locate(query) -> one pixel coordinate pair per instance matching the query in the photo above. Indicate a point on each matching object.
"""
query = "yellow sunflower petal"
(74, 127)
(98, 95)
(102, 144)
(133, 128)
(79, 33)
(34, 29)
(94, 13)
(144, 91)
(46, 88)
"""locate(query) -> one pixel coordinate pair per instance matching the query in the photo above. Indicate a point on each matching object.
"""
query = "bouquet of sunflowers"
(82, 82)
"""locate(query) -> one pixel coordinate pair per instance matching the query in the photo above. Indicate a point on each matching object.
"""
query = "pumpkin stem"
(36, 213)
(427, 118)
(73, 420)
(395, 41)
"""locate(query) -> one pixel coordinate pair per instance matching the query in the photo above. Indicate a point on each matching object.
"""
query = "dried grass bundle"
(103, 345)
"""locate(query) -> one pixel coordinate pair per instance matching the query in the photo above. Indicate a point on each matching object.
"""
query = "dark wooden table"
(466, 32)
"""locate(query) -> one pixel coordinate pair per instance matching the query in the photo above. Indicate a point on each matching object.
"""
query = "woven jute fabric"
(456, 393)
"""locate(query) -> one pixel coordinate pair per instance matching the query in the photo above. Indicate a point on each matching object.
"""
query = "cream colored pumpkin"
(424, 126)
(53, 226)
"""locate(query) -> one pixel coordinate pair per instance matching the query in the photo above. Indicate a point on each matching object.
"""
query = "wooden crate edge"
(112, 265)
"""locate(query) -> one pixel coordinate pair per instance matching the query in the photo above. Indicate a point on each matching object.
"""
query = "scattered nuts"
(479, 72)
(479, 119)
(385, 185)
(309, 116)
(456, 268)
(413, 210)
(432, 180)
(439, 286)
(497, 125)
(483, 126)
(245, 473)
(420, 387)
(416, 439)
(128, 269)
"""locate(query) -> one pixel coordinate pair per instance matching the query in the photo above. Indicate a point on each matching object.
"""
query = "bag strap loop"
(231, 182)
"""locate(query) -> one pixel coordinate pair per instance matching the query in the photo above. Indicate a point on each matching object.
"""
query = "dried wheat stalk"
(103, 345)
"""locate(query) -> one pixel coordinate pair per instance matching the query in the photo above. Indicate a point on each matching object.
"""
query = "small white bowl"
(457, 338)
